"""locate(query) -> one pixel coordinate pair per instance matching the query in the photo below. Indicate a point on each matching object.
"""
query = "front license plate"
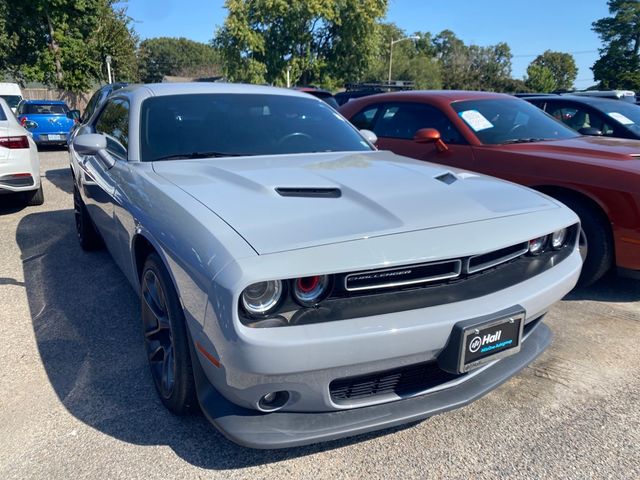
(54, 137)
(490, 341)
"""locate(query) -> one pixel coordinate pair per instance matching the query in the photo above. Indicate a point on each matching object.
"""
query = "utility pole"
(289, 76)
(393, 42)
(108, 60)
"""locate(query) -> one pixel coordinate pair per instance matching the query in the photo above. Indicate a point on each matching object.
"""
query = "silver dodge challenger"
(298, 285)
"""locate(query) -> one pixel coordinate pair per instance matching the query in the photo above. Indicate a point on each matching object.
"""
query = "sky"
(528, 27)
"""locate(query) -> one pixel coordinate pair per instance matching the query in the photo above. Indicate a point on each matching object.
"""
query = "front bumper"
(290, 429)
(305, 359)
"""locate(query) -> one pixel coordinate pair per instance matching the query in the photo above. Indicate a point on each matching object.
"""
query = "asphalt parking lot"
(77, 401)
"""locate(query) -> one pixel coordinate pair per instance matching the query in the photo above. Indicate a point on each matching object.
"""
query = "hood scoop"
(305, 192)
(447, 178)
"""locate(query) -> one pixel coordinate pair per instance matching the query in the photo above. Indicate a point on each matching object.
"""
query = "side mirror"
(74, 115)
(94, 144)
(369, 136)
(430, 135)
(590, 131)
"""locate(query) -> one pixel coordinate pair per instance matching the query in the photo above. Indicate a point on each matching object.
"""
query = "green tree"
(562, 67)
(472, 67)
(454, 58)
(176, 56)
(619, 62)
(540, 78)
(326, 42)
(61, 42)
(413, 61)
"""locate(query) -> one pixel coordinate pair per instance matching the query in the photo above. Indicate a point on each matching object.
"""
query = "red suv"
(503, 136)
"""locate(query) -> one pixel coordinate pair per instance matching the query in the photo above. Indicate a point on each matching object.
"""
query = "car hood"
(585, 147)
(335, 197)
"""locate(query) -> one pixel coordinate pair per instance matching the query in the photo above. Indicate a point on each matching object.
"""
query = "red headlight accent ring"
(309, 291)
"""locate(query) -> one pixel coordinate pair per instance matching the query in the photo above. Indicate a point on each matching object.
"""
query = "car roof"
(594, 101)
(44, 102)
(162, 89)
(450, 95)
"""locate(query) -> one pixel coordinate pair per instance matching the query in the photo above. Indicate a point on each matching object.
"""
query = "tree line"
(65, 43)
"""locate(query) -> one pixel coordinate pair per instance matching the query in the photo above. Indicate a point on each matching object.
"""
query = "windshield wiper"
(194, 155)
(523, 140)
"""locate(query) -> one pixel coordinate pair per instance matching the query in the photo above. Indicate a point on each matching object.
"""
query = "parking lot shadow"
(61, 178)
(611, 288)
(85, 319)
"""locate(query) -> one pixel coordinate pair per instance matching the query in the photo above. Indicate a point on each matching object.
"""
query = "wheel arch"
(143, 244)
(595, 205)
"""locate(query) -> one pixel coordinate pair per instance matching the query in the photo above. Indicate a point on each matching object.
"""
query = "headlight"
(262, 298)
(558, 239)
(537, 245)
(308, 291)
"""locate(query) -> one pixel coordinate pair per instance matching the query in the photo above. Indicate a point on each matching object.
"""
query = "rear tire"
(87, 235)
(35, 197)
(166, 339)
(596, 242)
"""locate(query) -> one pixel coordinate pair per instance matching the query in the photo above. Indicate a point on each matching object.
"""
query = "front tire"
(166, 339)
(595, 242)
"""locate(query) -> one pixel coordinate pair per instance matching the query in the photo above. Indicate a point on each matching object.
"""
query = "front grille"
(492, 259)
(400, 381)
(402, 276)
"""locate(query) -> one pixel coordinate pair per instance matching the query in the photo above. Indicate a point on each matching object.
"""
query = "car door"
(100, 183)
(396, 123)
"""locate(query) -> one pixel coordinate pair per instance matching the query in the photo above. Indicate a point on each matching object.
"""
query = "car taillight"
(23, 121)
(14, 142)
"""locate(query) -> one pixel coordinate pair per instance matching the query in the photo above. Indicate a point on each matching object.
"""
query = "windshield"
(12, 100)
(497, 120)
(627, 114)
(220, 125)
(44, 109)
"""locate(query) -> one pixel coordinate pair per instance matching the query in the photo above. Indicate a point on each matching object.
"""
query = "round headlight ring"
(536, 246)
(262, 298)
(309, 291)
(558, 239)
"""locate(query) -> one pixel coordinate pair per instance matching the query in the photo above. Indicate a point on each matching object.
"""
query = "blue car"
(49, 121)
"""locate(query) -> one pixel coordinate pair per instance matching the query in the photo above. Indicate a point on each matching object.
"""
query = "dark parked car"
(592, 115)
(507, 137)
(324, 95)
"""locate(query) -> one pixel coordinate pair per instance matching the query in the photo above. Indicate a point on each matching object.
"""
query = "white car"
(12, 94)
(298, 284)
(19, 162)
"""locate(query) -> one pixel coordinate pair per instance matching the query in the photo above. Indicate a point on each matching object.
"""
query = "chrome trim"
(447, 276)
(498, 261)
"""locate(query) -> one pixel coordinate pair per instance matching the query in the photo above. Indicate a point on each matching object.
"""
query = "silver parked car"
(296, 283)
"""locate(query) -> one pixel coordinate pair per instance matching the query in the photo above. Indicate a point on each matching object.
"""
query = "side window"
(91, 106)
(364, 119)
(403, 120)
(113, 122)
(576, 117)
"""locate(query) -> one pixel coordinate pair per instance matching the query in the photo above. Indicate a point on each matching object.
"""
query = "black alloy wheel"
(166, 339)
(158, 338)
